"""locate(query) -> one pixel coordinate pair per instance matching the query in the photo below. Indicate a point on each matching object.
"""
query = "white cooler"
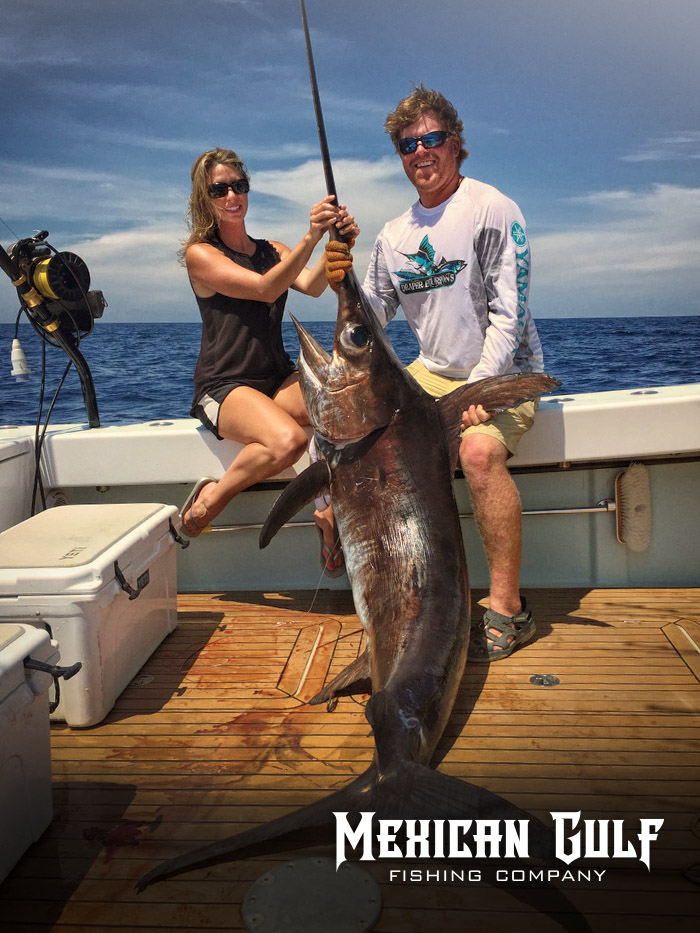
(26, 807)
(102, 580)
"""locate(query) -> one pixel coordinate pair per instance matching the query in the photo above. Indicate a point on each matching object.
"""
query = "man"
(458, 263)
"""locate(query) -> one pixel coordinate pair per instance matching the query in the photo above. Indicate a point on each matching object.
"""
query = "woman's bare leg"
(273, 441)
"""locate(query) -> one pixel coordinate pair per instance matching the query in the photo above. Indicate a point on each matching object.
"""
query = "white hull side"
(569, 460)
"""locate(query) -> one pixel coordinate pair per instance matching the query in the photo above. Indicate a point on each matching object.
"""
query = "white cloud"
(373, 191)
(60, 196)
(137, 269)
(617, 251)
(634, 250)
(678, 147)
(139, 274)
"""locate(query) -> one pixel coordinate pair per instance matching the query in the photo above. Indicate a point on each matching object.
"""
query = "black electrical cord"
(39, 428)
(38, 484)
(39, 442)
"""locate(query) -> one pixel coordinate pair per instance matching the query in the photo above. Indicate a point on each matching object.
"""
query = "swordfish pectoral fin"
(495, 394)
(313, 483)
(355, 678)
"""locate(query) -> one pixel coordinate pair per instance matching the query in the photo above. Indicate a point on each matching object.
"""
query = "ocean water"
(143, 372)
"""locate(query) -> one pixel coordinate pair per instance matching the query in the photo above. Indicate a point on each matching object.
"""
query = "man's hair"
(202, 219)
(418, 103)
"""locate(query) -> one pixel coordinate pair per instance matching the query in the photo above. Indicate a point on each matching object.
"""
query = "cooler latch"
(54, 671)
(183, 542)
(141, 583)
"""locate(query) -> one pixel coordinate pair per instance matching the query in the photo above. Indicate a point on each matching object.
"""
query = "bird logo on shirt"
(428, 273)
(518, 234)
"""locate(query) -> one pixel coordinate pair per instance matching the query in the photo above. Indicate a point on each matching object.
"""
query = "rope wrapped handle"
(338, 261)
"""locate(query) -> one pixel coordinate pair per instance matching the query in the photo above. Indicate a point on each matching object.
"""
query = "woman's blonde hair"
(202, 219)
(418, 103)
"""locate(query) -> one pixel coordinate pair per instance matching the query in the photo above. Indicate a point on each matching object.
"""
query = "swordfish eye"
(355, 337)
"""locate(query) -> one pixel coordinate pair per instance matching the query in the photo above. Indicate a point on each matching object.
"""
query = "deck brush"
(633, 507)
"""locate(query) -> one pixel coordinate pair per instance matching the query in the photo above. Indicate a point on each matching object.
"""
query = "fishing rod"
(320, 126)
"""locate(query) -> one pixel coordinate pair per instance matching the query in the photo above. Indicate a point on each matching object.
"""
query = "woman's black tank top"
(241, 338)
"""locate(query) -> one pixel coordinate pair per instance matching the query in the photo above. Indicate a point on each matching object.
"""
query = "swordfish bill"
(388, 453)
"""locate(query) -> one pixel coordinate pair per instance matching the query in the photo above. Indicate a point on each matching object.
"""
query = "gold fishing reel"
(61, 276)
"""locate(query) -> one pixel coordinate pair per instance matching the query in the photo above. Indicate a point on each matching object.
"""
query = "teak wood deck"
(214, 735)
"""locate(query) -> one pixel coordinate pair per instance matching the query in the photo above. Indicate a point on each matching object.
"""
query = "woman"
(246, 388)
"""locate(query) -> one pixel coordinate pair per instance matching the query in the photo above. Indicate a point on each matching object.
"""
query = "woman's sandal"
(484, 646)
(191, 522)
(328, 554)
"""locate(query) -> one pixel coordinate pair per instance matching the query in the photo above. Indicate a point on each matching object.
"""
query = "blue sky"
(586, 114)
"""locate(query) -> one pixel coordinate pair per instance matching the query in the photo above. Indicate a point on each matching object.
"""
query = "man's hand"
(474, 415)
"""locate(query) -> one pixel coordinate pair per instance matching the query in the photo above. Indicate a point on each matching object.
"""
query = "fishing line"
(4, 222)
(316, 592)
(336, 542)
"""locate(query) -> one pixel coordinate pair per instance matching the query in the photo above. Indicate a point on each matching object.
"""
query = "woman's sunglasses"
(219, 189)
(429, 141)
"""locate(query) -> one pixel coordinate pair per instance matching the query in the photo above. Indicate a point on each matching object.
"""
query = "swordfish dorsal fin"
(495, 394)
(309, 485)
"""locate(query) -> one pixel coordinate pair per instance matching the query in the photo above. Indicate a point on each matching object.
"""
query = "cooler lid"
(65, 549)
(71, 535)
(14, 447)
(9, 633)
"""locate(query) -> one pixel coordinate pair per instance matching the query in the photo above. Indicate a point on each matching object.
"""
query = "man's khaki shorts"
(508, 427)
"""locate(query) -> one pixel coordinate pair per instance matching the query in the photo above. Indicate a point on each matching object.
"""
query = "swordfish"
(388, 455)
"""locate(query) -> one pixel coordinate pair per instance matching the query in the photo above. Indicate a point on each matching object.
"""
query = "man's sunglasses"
(219, 189)
(429, 141)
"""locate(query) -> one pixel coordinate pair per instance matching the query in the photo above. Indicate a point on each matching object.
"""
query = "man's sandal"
(485, 646)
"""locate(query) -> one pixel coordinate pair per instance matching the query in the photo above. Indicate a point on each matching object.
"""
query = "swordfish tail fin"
(414, 791)
(312, 825)
(408, 791)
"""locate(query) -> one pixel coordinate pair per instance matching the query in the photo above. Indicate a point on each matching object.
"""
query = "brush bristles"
(633, 510)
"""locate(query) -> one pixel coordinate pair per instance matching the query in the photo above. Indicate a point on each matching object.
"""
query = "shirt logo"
(518, 234)
(427, 272)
